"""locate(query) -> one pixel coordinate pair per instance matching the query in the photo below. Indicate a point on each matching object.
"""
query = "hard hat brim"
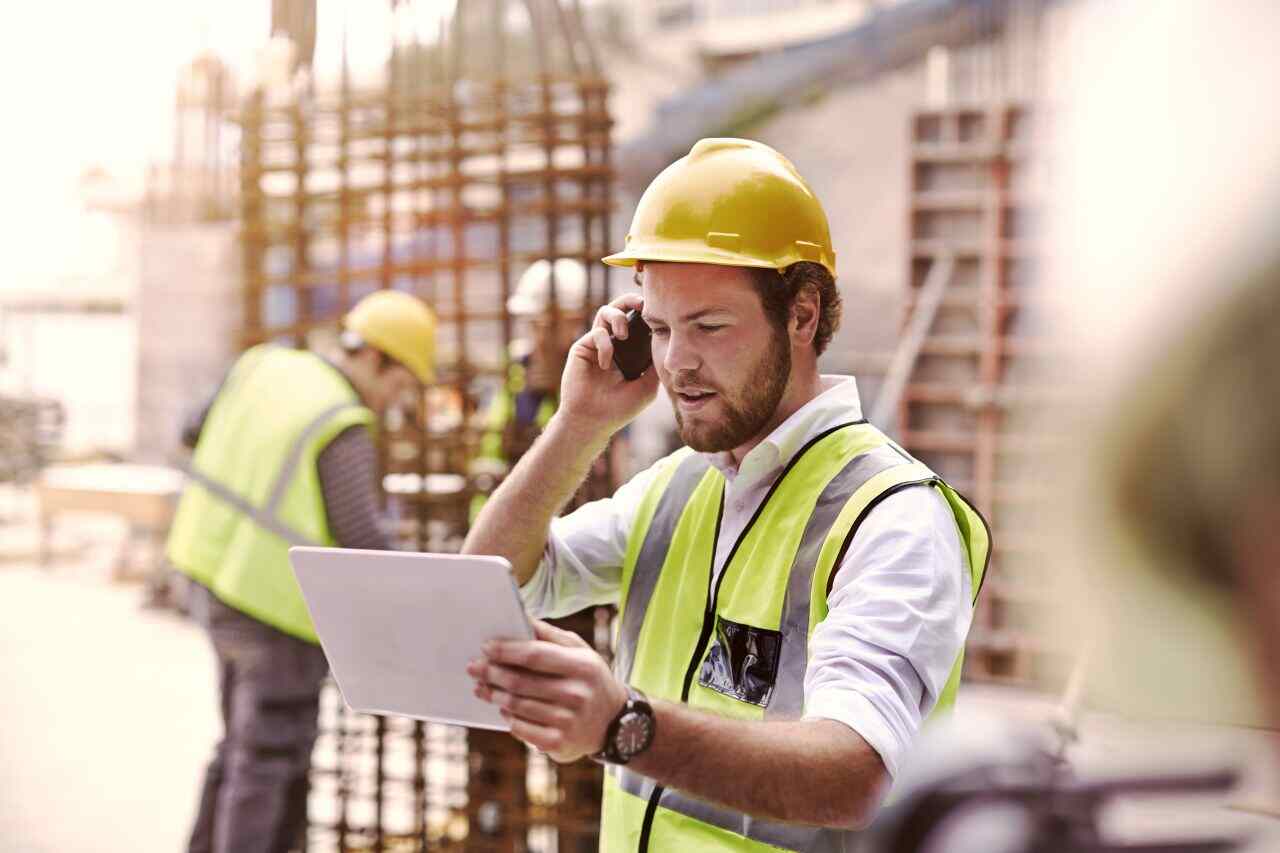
(421, 370)
(425, 375)
(704, 255)
(700, 253)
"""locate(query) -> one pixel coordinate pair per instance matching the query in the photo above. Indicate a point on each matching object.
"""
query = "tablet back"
(399, 628)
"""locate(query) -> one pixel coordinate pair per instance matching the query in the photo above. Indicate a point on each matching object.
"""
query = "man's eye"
(709, 327)
(659, 331)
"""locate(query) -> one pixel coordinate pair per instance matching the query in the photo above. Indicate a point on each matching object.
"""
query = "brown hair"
(778, 290)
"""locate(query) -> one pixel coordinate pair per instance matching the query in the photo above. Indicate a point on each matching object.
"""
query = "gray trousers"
(254, 798)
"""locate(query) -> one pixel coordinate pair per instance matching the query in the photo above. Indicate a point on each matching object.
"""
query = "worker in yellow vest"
(550, 300)
(794, 589)
(284, 455)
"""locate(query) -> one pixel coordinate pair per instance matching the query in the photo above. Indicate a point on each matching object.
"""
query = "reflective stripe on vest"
(804, 525)
(267, 517)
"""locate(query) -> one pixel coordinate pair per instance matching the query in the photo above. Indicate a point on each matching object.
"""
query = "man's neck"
(801, 388)
(342, 363)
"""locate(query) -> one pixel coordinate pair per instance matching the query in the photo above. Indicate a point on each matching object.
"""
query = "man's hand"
(593, 393)
(556, 691)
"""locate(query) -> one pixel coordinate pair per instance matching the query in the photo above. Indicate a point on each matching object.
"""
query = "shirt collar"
(837, 403)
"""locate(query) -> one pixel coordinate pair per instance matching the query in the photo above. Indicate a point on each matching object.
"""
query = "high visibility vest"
(739, 648)
(254, 487)
(499, 418)
(502, 412)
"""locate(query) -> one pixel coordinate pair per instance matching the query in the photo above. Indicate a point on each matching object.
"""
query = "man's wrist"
(631, 730)
(579, 432)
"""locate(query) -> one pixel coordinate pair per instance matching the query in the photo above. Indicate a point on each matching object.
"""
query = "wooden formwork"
(975, 196)
(481, 153)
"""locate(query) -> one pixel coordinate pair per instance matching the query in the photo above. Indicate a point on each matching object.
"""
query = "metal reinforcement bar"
(480, 152)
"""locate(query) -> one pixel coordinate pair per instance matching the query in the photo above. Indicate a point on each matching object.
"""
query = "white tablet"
(400, 627)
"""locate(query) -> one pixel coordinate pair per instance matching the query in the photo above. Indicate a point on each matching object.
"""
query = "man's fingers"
(628, 301)
(604, 347)
(533, 710)
(612, 321)
(614, 315)
(521, 682)
(545, 738)
(546, 631)
(538, 656)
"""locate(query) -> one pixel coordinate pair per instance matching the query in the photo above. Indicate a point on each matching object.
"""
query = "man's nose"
(679, 354)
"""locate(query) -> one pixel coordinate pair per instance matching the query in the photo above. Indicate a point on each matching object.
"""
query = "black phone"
(633, 355)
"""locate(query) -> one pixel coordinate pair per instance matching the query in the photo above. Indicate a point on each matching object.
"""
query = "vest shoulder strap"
(840, 535)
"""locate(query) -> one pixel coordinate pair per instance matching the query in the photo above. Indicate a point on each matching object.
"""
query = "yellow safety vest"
(740, 648)
(498, 418)
(255, 489)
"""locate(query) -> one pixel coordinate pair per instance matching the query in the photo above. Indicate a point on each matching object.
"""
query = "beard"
(745, 410)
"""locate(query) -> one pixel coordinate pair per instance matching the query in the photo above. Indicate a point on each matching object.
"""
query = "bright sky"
(97, 79)
(89, 83)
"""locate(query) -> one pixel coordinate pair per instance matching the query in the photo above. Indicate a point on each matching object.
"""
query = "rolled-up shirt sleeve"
(898, 614)
(581, 564)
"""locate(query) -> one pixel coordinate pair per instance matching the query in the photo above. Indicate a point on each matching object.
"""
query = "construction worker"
(794, 589)
(284, 455)
(529, 396)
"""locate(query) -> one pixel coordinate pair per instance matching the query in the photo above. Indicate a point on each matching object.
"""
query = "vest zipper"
(713, 594)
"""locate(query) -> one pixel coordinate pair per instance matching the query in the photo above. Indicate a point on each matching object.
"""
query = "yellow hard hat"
(733, 202)
(400, 325)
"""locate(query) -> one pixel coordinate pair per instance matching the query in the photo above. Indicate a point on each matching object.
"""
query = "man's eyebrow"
(698, 315)
(687, 318)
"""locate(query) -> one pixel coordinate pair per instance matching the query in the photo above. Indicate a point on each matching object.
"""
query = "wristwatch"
(631, 732)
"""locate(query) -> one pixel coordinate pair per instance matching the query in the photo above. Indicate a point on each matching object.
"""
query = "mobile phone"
(632, 354)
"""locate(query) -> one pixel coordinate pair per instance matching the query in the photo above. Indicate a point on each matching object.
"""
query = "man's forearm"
(515, 519)
(816, 772)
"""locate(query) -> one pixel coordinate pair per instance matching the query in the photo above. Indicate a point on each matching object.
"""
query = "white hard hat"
(533, 292)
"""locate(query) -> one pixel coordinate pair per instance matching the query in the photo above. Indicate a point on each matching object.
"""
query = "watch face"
(634, 731)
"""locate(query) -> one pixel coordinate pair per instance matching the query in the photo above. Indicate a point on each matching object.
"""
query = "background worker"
(794, 589)
(530, 393)
(284, 455)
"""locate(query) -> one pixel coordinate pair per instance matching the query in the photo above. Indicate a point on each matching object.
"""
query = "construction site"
(443, 150)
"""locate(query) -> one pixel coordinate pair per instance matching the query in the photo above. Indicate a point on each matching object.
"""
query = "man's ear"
(806, 309)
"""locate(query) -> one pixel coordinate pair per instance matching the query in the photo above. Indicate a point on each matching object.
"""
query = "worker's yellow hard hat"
(400, 325)
(733, 202)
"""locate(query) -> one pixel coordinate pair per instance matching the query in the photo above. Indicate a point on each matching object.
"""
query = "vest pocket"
(742, 662)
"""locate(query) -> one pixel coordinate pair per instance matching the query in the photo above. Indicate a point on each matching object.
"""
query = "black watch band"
(631, 731)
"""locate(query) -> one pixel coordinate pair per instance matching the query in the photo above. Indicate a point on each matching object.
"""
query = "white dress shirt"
(899, 609)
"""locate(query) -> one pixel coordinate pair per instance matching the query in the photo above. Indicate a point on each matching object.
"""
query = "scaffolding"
(480, 152)
(967, 363)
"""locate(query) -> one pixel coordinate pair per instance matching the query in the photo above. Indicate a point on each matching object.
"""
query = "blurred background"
(1025, 198)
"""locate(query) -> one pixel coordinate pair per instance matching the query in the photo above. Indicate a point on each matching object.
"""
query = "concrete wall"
(852, 145)
(188, 308)
(851, 148)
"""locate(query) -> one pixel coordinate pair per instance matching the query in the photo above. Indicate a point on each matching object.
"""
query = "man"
(284, 455)
(794, 589)
(527, 400)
